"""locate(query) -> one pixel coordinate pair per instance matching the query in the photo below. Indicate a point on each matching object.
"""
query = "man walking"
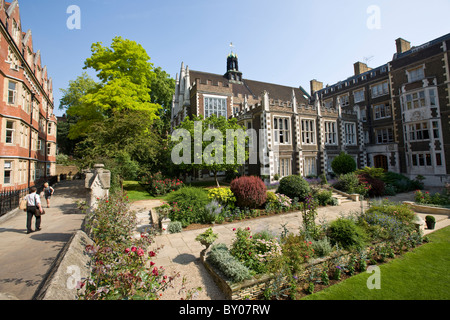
(33, 203)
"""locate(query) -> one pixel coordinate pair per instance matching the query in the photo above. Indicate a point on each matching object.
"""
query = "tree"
(343, 164)
(215, 144)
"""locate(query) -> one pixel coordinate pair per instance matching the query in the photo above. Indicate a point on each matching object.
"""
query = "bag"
(23, 204)
(37, 212)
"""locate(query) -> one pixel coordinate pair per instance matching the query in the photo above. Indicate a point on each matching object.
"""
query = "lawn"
(421, 274)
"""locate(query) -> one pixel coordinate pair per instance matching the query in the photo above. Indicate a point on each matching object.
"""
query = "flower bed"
(263, 266)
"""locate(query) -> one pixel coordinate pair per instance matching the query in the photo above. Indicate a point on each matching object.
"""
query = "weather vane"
(231, 46)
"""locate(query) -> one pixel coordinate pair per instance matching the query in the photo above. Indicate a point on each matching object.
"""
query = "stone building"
(395, 116)
(27, 122)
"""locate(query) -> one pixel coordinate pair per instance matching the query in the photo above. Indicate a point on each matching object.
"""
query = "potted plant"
(430, 221)
(207, 238)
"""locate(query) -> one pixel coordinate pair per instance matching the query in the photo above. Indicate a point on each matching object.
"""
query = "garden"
(292, 265)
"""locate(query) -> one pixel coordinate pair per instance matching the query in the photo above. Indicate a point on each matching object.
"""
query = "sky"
(287, 42)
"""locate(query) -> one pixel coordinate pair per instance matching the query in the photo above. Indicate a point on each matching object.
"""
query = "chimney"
(360, 68)
(402, 45)
(315, 86)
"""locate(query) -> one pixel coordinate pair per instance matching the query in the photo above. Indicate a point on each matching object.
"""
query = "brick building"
(27, 122)
(395, 116)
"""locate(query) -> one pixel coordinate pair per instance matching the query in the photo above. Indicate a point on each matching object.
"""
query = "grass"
(135, 192)
(421, 274)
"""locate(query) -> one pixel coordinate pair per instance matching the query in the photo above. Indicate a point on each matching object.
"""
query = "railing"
(10, 198)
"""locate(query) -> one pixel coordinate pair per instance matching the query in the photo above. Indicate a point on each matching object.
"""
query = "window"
(415, 100)
(7, 172)
(49, 128)
(436, 129)
(284, 167)
(217, 106)
(385, 135)
(432, 94)
(438, 159)
(344, 100)
(330, 133)
(328, 104)
(329, 162)
(13, 59)
(9, 132)
(281, 130)
(358, 96)
(415, 74)
(235, 110)
(309, 166)
(421, 160)
(308, 131)
(12, 92)
(363, 113)
(350, 133)
(418, 131)
(382, 111)
(49, 149)
(380, 89)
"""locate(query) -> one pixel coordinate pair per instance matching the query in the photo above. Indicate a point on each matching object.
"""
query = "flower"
(234, 229)
(151, 253)
(127, 250)
(140, 252)
(133, 249)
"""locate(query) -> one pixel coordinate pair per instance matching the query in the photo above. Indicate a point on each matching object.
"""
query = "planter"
(431, 225)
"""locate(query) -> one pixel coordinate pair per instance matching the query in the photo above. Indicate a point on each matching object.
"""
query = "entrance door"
(381, 161)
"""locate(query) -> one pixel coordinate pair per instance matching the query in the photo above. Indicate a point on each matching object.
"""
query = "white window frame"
(308, 130)
(309, 166)
(331, 138)
(357, 97)
(215, 109)
(380, 89)
(416, 74)
(10, 132)
(416, 158)
(418, 131)
(12, 93)
(9, 169)
(387, 135)
(283, 167)
(381, 111)
(281, 131)
(345, 100)
(351, 138)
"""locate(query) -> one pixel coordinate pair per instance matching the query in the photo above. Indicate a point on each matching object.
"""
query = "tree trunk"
(215, 177)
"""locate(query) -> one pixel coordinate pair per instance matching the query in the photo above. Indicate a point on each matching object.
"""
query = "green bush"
(324, 197)
(400, 211)
(347, 234)
(175, 227)
(294, 186)
(348, 182)
(343, 164)
(322, 247)
(232, 268)
(189, 197)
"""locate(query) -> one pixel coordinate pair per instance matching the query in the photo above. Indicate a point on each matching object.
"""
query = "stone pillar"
(98, 181)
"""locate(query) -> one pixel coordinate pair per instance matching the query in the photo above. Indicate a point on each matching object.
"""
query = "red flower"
(152, 263)
(127, 250)
(151, 254)
(140, 252)
(133, 249)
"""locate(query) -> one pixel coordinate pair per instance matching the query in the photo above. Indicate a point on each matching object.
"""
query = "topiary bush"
(294, 186)
(347, 234)
(343, 164)
(250, 192)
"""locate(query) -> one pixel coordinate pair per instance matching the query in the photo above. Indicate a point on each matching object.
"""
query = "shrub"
(189, 197)
(377, 186)
(207, 238)
(250, 192)
(322, 247)
(400, 211)
(271, 197)
(175, 227)
(232, 268)
(294, 186)
(343, 164)
(224, 196)
(157, 185)
(324, 197)
(347, 182)
(377, 173)
(346, 234)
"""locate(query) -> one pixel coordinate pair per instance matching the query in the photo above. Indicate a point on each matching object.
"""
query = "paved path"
(25, 259)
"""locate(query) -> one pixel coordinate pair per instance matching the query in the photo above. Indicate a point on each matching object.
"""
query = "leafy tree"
(343, 164)
(207, 146)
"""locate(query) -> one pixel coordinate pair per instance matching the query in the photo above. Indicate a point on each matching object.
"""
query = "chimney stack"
(360, 68)
(402, 45)
(315, 86)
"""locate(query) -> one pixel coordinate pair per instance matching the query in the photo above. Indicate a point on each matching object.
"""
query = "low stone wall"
(420, 208)
(254, 288)
(71, 265)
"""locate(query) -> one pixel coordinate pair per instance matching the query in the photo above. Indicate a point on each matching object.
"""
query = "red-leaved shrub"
(377, 185)
(250, 192)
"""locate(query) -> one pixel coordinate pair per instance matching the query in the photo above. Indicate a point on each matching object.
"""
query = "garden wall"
(254, 288)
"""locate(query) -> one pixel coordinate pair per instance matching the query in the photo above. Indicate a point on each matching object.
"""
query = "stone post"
(98, 181)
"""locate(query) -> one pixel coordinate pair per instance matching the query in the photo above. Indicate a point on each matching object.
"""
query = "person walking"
(48, 192)
(33, 203)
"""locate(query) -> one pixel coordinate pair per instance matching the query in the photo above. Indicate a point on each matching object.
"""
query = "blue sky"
(287, 42)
